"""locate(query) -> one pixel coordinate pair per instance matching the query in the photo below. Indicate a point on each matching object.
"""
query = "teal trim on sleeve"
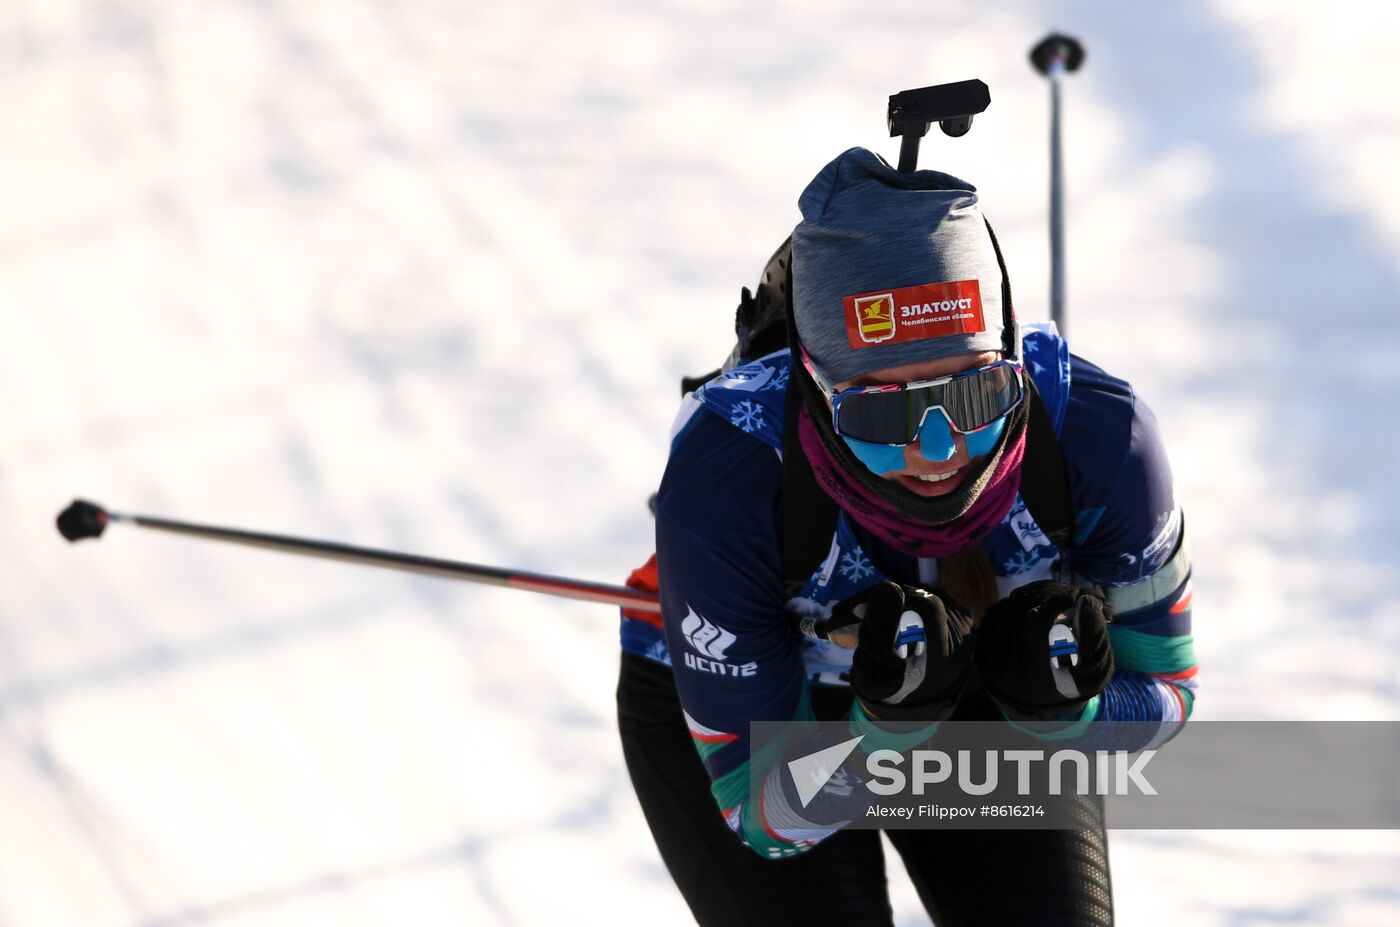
(1151, 653)
(877, 738)
(1077, 723)
(1165, 583)
(732, 788)
(707, 750)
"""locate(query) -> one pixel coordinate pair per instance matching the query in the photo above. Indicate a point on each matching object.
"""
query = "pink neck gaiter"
(884, 520)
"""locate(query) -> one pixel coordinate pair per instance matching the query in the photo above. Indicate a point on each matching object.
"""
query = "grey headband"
(891, 268)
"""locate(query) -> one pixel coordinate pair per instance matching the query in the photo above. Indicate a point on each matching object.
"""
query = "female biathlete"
(924, 413)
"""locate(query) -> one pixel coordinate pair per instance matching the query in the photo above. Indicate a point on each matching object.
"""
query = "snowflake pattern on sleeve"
(1022, 561)
(746, 415)
(855, 566)
(778, 382)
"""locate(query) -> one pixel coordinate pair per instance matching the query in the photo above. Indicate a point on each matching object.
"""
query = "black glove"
(1044, 650)
(913, 651)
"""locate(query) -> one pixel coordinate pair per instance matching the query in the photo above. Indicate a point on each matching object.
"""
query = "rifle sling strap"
(809, 514)
(1044, 479)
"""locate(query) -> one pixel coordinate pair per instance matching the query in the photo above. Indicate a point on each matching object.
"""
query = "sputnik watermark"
(1221, 774)
(934, 767)
(1113, 772)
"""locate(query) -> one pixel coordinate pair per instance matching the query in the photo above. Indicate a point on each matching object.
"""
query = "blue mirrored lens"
(936, 442)
(981, 441)
(880, 458)
(936, 437)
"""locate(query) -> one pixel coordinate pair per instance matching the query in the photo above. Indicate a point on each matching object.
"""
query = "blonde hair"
(967, 577)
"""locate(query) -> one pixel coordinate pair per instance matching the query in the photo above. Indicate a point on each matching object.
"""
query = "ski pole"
(87, 520)
(1054, 56)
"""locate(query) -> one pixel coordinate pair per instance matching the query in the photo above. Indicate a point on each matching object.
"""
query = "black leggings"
(1001, 878)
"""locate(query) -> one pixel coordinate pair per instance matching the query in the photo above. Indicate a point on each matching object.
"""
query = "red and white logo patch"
(932, 310)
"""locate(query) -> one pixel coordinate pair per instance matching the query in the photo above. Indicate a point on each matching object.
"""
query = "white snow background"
(424, 275)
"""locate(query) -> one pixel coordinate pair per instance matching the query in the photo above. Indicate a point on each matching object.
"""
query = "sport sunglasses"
(893, 413)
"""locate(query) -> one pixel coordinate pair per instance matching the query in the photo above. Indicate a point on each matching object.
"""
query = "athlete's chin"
(930, 488)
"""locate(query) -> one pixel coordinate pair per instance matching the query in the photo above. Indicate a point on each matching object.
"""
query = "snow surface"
(424, 275)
